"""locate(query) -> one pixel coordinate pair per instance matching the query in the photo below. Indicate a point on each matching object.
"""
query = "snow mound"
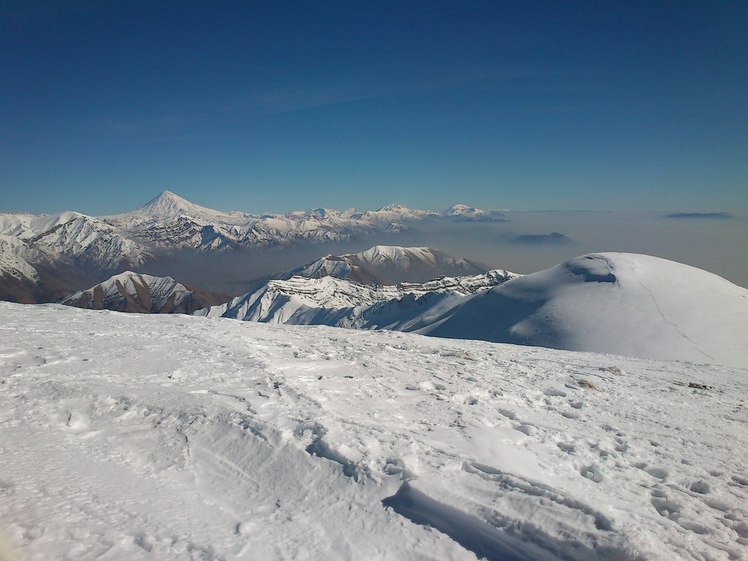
(621, 303)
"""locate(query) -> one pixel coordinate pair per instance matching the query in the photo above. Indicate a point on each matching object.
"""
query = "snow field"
(175, 437)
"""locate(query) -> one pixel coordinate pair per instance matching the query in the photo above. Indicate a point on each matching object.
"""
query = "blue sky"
(274, 106)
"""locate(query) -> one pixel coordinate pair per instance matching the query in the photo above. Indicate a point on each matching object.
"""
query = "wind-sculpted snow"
(182, 438)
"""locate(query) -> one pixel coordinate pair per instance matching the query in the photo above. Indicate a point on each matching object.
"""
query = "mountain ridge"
(389, 265)
(619, 303)
(139, 293)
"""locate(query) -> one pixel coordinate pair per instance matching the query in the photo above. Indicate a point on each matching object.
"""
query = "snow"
(25, 226)
(621, 303)
(462, 212)
(12, 261)
(176, 437)
(172, 221)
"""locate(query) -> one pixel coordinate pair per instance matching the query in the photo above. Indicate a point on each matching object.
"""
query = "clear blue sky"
(274, 106)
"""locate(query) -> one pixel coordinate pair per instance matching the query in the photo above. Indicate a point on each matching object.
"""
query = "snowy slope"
(384, 264)
(620, 303)
(13, 262)
(179, 438)
(135, 292)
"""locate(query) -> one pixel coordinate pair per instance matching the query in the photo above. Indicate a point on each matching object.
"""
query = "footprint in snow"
(566, 447)
(701, 487)
(656, 472)
(666, 507)
(592, 472)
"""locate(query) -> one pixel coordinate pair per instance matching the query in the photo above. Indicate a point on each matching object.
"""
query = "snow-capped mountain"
(74, 238)
(620, 303)
(388, 265)
(42, 258)
(78, 250)
(169, 221)
(465, 213)
(143, 437)
(134, 292)
(169, 207)
(343, 303)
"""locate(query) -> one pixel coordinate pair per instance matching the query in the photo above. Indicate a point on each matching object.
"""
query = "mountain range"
(388, 265)
(379, 265)
(44, 258)
(620, 303)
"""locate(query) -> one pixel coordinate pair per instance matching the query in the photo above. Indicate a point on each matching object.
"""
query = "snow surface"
(176, 437)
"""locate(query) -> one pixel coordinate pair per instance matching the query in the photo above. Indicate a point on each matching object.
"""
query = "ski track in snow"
(145, 437)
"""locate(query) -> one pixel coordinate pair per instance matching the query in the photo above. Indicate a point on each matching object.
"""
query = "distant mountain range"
(618, 303)
(44, 258)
